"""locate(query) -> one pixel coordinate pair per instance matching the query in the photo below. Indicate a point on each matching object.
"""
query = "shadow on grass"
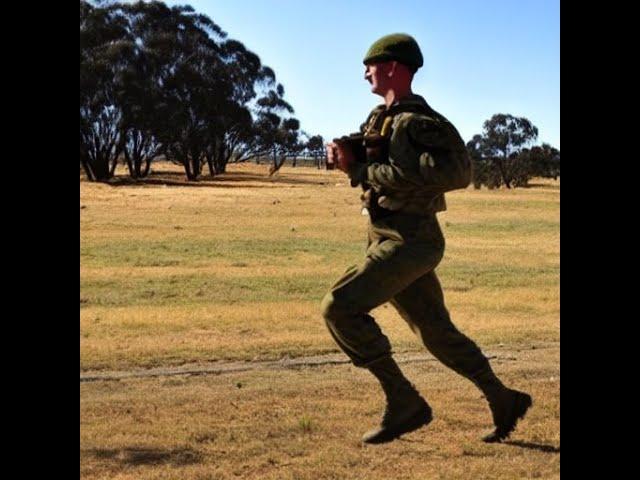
(533, 446)
(146, 456)
(516, 443)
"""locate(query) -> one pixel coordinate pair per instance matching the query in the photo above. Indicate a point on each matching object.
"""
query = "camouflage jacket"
(426, 158)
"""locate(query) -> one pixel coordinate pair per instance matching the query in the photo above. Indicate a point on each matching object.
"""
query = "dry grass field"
(232, 269)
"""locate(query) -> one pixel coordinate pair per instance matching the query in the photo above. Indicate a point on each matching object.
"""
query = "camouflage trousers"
(402, 253)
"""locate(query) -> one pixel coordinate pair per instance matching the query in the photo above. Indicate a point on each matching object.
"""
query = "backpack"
(445, 164)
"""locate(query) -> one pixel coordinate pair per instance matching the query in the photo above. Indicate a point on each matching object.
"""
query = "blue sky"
(481, 57)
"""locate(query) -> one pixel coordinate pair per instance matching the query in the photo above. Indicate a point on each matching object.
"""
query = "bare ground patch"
(218, 368)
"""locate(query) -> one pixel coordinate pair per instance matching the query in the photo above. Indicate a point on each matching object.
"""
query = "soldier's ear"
(392, 68)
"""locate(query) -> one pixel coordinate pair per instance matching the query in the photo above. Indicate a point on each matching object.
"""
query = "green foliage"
(500, 156)
(101, 53)
(158, 80)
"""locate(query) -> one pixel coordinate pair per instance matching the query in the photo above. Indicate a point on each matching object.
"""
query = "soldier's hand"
(341, 155)
(332, 154)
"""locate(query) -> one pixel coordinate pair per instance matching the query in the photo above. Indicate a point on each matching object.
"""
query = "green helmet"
(397, 46)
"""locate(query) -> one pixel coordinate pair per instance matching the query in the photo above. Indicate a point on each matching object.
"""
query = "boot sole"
(420, 419)
(519, 409)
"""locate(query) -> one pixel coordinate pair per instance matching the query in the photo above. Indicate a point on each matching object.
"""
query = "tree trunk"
(187, 166)
(129, 156)
(197, 165)
(222, 158)
(212, 170)
(88, 170)
(132, 170)
(187, 169)
(112, 168)
(223, 166)
(503, 172)
(138, 166)
(102, 171)
(100, 168)
(147, 166)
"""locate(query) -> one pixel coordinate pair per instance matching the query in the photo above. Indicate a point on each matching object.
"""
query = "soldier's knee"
(335, 308)
(328, 307)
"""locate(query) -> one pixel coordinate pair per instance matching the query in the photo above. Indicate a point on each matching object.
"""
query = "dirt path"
(217, 368)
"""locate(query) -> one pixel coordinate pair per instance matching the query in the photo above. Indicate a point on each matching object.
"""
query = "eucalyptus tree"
(504, 136)
(102, 41)
(166, 80)
(316, 148)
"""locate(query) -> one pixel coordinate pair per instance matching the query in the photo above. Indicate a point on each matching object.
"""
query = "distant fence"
(318, 162)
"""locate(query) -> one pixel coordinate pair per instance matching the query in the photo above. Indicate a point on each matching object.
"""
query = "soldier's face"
(377, 74)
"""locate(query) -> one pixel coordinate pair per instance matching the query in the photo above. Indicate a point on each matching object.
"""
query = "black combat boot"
(406, 410)
(507, 405)
(507, 408)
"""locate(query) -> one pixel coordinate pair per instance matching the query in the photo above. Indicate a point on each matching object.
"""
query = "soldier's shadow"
(516, 443)
(533, 446)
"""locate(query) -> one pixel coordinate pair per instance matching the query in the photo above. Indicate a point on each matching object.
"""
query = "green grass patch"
(466, 276)
(215, 289)
(199, 289)
(196, 253)
(501, 229)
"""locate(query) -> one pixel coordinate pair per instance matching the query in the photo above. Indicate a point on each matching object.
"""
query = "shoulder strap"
(412, 107)
(372, 119)
(381, 116)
